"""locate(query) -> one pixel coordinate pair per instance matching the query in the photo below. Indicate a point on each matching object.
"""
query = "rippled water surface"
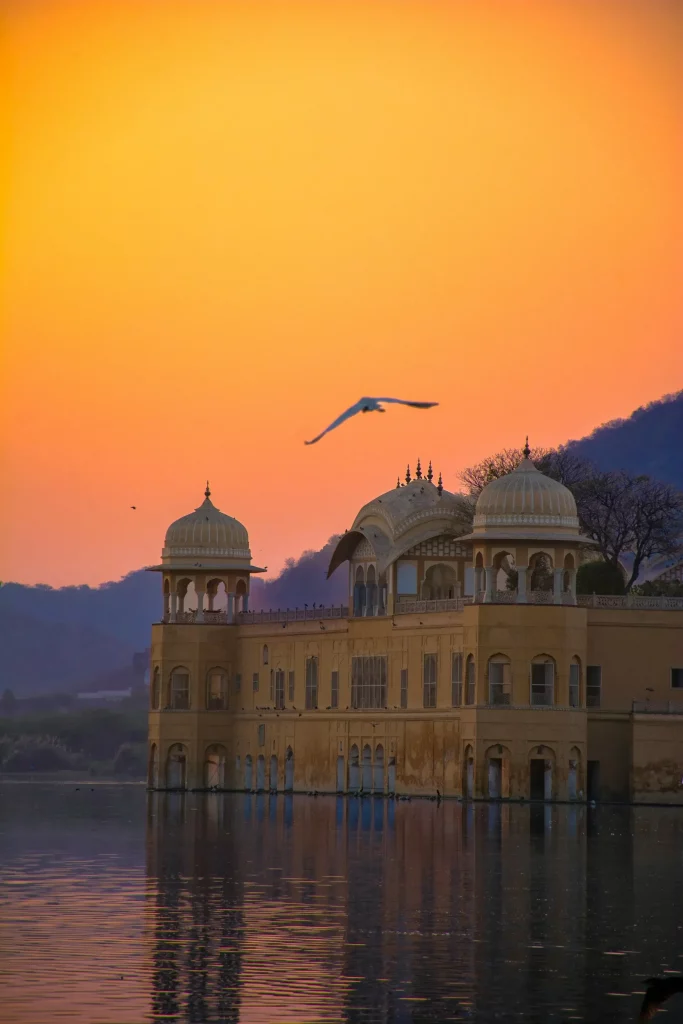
(116, 906)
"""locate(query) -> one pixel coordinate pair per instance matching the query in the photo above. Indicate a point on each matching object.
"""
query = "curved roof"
(396, 520)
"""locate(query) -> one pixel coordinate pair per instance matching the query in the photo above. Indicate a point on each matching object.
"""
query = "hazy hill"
(649, 441)
(69, 637)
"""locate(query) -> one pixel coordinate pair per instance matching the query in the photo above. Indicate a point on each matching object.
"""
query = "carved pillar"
(521, 585)
(231, 607)
(490, 579)
(174, 606)
(200, 606)
(572, 585)
(558, 579)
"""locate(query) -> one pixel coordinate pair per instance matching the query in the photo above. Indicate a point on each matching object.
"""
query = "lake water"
(119, 907)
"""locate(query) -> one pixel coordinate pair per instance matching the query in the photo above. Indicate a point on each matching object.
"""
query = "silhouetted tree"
(599, 577)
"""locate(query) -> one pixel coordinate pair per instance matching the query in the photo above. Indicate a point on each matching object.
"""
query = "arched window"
(470, 680)
(155, 689)
(265, 654)
(359, 592)
(500, 679)
(575, 683)
(217, 690)
(541, 571)
(543, 681)
(439, 582)
(371, 592)
(179, 697)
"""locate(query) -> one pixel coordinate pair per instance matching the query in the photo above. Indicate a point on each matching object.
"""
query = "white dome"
(206, 532)
(526, 499)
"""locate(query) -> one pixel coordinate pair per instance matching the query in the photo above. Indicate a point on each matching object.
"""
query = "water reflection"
(182, 907)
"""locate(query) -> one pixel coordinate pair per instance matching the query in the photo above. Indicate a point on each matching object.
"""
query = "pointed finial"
(526, 451)
(439, 486)
(418, 471)
(430, 472)
(398, 482)
(207, 492)
(408, 476)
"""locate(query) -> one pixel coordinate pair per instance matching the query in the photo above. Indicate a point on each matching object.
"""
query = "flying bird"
(369, 405)
(658, 991)
(133, 506)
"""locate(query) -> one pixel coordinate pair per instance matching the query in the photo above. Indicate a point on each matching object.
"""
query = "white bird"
(369, 405)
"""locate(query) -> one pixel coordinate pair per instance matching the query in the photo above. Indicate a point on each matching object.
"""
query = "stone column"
(478, 585)
(558, 575)
(391, 601)
(200, 606)
(231, 607)
(488, 596)
(572, 585)
(521, 585)
(167, 606)
(174, 606)
(245, 602)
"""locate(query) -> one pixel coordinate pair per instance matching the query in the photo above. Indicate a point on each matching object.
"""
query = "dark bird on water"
(368, 405)
(658, 991)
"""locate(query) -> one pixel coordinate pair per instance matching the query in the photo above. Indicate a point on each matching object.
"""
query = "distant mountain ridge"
(68, 638)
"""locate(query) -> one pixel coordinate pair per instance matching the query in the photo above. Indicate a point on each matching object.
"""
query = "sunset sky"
(223, 222)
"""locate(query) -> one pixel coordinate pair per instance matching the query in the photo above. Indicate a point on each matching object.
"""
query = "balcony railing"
(338, 611)
(447, 604)
(657, 707)
(630, 601)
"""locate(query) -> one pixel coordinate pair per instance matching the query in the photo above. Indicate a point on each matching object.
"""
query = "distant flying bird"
(133, 506)
(658, 991)
(369, 405)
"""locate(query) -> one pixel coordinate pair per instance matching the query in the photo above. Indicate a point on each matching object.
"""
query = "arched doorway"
(176, 767)
(359, 592)
(498, 772)
(439, 583)
(541, 773)
(289, 770)
(214, 767)
(248, 773)
(340, 773)
(468, 765)
(273, 772)
(367, 769)
(354, 770)
(378, 781)
(573, 775)
(153, 767)
(260, 773)
(391, 775)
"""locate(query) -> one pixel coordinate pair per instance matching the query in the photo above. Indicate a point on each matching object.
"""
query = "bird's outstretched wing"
(351, 411)
(402, 401)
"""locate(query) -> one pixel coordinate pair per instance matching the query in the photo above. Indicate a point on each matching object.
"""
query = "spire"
(430, 472)
(439, 486)
(526, 451)
(408, 476)
(418, 470)
(398, 482)
(207, 492)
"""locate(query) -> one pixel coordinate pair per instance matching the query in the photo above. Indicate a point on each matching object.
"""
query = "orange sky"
(222, 222)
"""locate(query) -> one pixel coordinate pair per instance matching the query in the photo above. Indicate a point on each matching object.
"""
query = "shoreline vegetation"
(94, 743)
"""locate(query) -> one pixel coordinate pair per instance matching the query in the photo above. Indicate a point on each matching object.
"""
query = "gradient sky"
(222, 223)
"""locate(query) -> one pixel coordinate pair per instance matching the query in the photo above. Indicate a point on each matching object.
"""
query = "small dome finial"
(526, 451)
(439, 486)
(398, 482)
(207, 492)
(408, 476)
(418, 470)
(430, 472)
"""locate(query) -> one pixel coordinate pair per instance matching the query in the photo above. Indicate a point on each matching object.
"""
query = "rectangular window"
(217, 692)
(456, 679)
(593, 686)
(542, 683)
(677, 678)
(429, 681)
(238, 682)
(404, 687)
(499, 682)
(279, 689)
(255, 682)
(180, 691)
(574, 685)
(369, 682)
(290, 686)
(471, 680)
(334, 690)
(261, 735)
(311, 683)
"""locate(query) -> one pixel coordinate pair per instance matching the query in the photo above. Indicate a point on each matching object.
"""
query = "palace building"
(463, 664)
